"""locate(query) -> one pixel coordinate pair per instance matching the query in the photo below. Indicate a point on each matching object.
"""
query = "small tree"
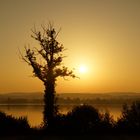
(51, 53)
(130, 118)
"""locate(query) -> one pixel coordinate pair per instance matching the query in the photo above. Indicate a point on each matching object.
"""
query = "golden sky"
(103, 36)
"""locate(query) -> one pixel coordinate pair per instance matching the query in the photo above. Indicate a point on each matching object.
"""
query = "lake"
(34, 112)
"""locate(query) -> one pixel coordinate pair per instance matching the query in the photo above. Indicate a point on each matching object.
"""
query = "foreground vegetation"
(72, 137)
(85, 120)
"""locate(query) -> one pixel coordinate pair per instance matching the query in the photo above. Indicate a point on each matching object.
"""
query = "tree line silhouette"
(68, 101)
(84, 119)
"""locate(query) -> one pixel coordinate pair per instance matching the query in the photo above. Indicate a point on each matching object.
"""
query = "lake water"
(34, 112)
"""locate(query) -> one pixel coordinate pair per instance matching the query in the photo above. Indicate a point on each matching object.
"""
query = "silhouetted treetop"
(51, 51)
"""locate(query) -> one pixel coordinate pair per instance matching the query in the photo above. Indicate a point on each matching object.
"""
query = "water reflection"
(34, 112)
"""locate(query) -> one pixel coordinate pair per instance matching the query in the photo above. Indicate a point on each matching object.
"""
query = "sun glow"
(83, 69)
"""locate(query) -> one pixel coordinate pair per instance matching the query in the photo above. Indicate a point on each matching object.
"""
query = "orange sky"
(103, 35)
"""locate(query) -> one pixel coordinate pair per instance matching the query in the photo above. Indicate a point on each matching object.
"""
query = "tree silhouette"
(50, 67)
(130, 118)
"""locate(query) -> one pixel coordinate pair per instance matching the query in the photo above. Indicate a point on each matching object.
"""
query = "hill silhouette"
(39, 95)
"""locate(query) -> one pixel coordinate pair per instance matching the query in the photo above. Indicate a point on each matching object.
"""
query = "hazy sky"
(102, 35)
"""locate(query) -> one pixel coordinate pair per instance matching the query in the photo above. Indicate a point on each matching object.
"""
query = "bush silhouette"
(130, 118)
(107, 123)
(84, 118)
(12, 125)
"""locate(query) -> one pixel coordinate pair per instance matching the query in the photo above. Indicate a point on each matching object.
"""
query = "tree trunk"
(49, 104)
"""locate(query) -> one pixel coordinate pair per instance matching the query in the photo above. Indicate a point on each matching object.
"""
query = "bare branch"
(22, 57)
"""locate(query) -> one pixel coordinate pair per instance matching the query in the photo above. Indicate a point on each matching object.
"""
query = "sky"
(101, 36)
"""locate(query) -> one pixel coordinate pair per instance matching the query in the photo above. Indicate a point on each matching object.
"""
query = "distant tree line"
(120, 101)
(68, 100)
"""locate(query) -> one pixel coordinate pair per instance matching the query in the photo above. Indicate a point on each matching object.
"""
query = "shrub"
(12, 125)
(130, 118)
(107, 123)
(84, 118)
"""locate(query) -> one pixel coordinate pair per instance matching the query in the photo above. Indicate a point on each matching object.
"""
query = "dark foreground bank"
(83, 137)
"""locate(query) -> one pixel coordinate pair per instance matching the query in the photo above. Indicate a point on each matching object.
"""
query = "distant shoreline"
(36, 98)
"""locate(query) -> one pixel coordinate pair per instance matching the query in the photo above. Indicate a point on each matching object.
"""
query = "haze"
(103, 35)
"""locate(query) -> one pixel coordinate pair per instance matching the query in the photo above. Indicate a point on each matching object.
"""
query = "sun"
(82, 69)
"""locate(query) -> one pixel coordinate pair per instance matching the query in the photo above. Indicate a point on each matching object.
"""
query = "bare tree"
(49, 69)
